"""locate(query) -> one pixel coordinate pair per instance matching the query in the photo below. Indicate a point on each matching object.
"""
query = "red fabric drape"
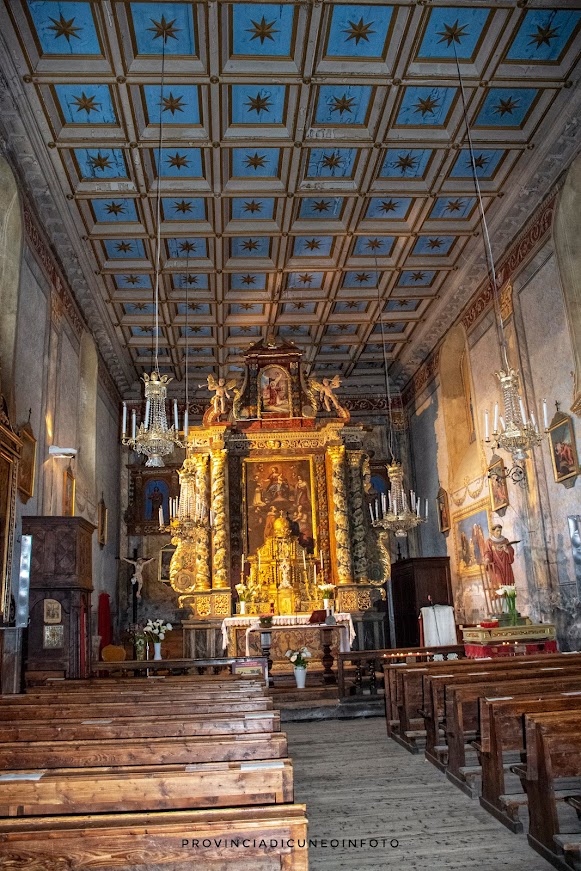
(104, 620)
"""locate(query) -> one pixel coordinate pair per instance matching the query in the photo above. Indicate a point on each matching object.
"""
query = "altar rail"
(358, 670)
(228, 664)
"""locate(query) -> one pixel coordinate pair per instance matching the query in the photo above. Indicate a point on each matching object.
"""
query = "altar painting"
(155, 496)
(274, 391)
(272, 487)
(471, 530)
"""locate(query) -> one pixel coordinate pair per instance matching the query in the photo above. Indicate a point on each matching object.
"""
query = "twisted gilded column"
(220, 578)
(355, 460)
(203, 573)
(340, 515)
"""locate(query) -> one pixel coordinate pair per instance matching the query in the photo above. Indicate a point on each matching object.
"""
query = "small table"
(528, 639)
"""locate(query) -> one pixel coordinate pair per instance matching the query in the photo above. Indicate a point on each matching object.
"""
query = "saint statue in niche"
(499, 557)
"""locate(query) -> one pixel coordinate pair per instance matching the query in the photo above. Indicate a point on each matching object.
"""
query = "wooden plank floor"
(358, 784)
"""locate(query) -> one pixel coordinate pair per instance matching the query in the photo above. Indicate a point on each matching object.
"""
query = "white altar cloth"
(285, 622)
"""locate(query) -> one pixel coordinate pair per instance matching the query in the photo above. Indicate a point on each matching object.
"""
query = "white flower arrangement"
(244, 593)
(299, 657)
(154, 630)
(508, 590)
(327, 590)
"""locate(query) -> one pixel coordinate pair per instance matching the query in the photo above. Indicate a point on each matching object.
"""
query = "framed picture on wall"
(165, 556)
(471, 530)
(563, 448)
(102, 522)
(68, 493)
(497, 484)
(27, 463)
(443, 506)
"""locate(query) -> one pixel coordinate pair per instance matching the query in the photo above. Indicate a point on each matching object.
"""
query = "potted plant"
(244, 596)
(328, 593)
(299, 660)
(154, 631)
(265, 621)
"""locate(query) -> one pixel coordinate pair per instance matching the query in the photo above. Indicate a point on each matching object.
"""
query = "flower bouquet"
(299, 660)
(327, 592)
(244, 595)
(509, 593)
(154, 631)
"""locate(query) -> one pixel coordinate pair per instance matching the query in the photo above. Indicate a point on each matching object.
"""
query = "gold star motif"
(454, 205)
(418, 276)
(479, 162)
(434, 244)
(388, 206)
(172, 104)
(145, 330)
(191, 279)
(183, 207)
(258, 104)
(247, 306)
(194, 306)
(362, 277)
(332, 161)
(133, 279)
(65, 28)
(312, 244)
(85, 103)
(405, 162)
(342, 328)
(187, 247)
(359, 31)
(140, 306)
(262, 30)
(299, 305)
(178, 161)
(352, 304)
(452, 33)
(114, 208)
(426, 106)
(506, 107)
(321, 206)
(195, 329)
(252, 207)
(343, 104)
(123, 247)
(402, 303)
(249, 279)
(245, 329)
(250, 245)
(374, 244)
(543, 36)
(255, 161)
(164, 29)
(335, 347)
(100, 162)
(305, 278)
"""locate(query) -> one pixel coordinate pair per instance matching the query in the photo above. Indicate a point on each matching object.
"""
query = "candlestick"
(124, 427)
(486, 432)
(133, 424)
(545, 415)
(426, 509)
(186, 423)
(147, 410)
(495, 417)
(304, 560)
(161, 521)
(322, 562)
(522, 411)
(176, 422)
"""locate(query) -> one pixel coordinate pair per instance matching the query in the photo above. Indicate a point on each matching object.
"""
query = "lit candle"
(186, 423)
(522, 411)
(371, 512)
(545, 415)
(315, 573)
(495, 417)
(175, 415)
(486, 431)
(161, 516)
(147, 408)
(133, 424)
(304, 561)
(124, 419)
(243, 560)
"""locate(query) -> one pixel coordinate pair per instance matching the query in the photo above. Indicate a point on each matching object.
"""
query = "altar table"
(242, 633)
(528, 639)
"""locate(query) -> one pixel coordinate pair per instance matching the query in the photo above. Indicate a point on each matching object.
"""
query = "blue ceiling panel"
(196, 330)
(416, 278)
(262, 29)
(405, 162)
(183, 209)
(544, 35)
(256, 246)
(255, 104)
(114, 211)
(453, 208)
(506, 107)
(252, 208)
(358, 31)
(331, 162)
(433, 246)
(312, 246)
(96, 163)
(343, 104)
(132, 281)
(190, 281)
(246, 308)
(248, 281)
(179, 162)
(363, 278)
(192, 309)
(425, 106)
(305, 279)
(402, 305)
(65, 28)
(255, 163)
(341, 330)
(240, 332)
(453, 31)
(138, 308)
(307, 308)
(352, 305)
(373, 246)
(486, 162)
(326, 208)
(164, 28)
(179, 104)
(390, 208)
(124, 249)
(187, 249)
(86, 104)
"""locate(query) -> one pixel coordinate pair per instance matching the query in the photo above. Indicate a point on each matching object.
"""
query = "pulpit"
(59, 635)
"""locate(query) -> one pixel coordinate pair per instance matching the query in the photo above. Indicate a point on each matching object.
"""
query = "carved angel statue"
(325, 389)
(220, 388)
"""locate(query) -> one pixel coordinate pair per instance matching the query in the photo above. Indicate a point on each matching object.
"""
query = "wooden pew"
(165, 751)
(68, 711)
(501, 732)
(557, 752)
(123, 840)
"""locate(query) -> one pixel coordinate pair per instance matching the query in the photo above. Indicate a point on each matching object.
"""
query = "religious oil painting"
(275, 488)
(563, 448)
(68, 493)
(471, 531)
(443, 506)
(497, 485)
(155, 496)
(274, 391)
(27, 463)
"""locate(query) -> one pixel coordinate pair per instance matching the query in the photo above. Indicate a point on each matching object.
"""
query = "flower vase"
(300, 677)
(326, 604)
(242, 607)
(157, 650)
(139, 645)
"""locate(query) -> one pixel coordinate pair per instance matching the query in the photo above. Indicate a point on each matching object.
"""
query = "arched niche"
(567, 240)
(10, 254)
(458, 408)
(87, 411)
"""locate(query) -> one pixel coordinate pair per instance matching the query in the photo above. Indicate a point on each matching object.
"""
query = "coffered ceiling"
(314, 175)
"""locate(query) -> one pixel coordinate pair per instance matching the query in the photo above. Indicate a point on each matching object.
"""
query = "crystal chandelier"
(516, 430)
(154, 438)
(394, 513)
